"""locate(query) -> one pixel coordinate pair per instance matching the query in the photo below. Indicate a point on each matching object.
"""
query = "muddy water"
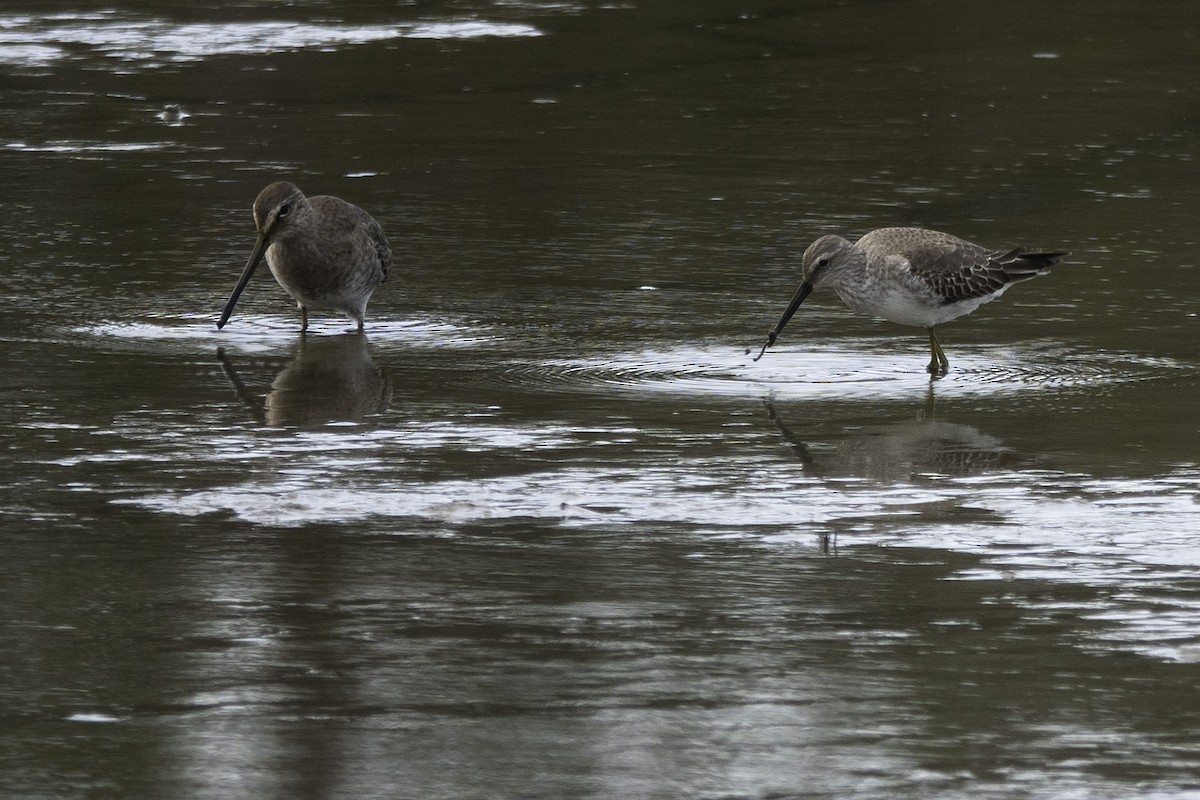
(546, 530)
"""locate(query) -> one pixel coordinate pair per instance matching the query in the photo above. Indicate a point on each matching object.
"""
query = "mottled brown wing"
(953, 268)
(979, 276)
(960, 270)
(382, 249)
(359, 227)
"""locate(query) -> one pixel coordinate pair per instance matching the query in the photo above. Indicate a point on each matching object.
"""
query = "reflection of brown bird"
(324, 252)
(329, 379)
(902, 451)
(912, 276)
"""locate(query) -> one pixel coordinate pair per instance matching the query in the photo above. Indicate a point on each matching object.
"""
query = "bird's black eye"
(822, 262)
(284, 209)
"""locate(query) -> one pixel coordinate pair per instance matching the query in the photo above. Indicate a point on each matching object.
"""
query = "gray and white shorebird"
(324, 252)
(912, 276)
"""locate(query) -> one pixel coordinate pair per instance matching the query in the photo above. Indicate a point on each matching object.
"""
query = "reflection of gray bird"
(904, 451)
(324, 252)
(329, 379)
(912, 276)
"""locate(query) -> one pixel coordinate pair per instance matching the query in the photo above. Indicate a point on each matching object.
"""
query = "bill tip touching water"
(772, 335)
(326, 253)
(912, 276)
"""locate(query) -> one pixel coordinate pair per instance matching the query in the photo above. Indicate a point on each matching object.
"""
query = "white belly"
(904, 306)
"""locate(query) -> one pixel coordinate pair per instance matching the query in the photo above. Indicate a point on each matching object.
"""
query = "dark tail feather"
(1042, 260)
(1021, 264)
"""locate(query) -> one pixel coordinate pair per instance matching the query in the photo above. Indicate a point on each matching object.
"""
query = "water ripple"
(261, 333)
(42, 40)
(1131, 543)
(850, 370)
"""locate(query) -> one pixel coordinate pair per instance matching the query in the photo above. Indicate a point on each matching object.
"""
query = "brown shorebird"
(912, 276)
(325, 252)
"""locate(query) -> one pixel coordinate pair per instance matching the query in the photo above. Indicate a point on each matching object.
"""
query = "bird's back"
(954, 269)
(370, 252)
(929, 252)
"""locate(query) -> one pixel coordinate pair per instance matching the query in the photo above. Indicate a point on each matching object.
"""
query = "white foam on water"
(92, 717)
(42, 40)
(850, 369)
(269, 332)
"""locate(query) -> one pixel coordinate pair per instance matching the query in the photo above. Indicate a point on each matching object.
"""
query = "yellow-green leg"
(938, 365)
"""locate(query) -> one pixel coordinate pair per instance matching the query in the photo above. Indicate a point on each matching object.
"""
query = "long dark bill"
(798, 298)
(260, 247)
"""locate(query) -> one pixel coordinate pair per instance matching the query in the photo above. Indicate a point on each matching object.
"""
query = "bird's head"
(826, 259)
(278, 206)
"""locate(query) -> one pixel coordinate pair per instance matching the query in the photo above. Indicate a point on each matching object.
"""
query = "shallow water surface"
(547, 529)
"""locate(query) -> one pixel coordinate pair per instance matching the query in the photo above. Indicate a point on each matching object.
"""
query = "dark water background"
(546, 531)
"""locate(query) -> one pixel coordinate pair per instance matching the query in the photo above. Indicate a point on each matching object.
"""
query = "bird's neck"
(850, 272)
